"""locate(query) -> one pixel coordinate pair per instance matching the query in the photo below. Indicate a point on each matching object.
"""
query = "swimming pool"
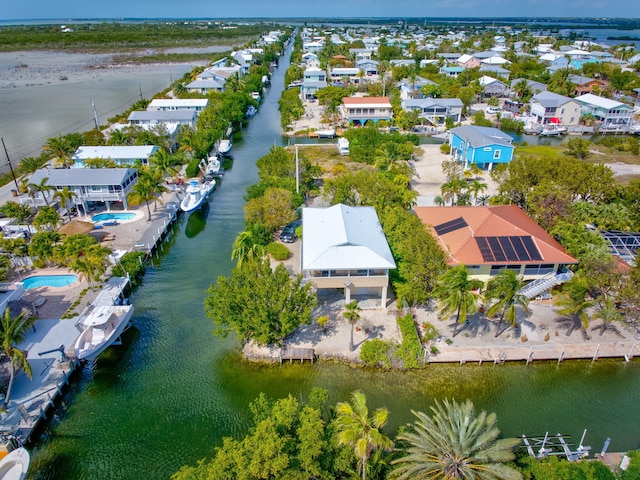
(38, 281)
(101, 217)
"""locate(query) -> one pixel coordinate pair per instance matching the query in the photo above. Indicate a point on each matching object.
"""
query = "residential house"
(468, 61)
(554, 61)
(311, 60)
(435, 110)
(205, 86)
(488, 239)
(451, 71)
(494, 70)
(586, 84)
(482, 146)
(611, 114)
(350, 75)
(314, 79)
(244, 58)
(197, 104)
(535, 87)
(495, 60)
(553, 108)
(492, 87)
(448, 57)
(368, 66)
(360, 110)
(164, 117)
(313, 47)
(404, 62)
(121, 155)
(345, 248)
(361, 53)
(108, 185)
(411, 87)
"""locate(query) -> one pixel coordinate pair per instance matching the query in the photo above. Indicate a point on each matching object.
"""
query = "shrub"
(445, 148)
(192, 169)
(410, 348)
(430, 332)
(278, 251)
(511, 124)
(131, 263)
(375, 352)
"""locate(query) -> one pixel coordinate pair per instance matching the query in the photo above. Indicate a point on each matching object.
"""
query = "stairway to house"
(541, 285)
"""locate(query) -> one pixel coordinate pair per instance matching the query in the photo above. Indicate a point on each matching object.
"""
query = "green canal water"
(173, 390)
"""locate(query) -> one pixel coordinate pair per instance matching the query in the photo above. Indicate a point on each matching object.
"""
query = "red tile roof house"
(359, 110)
(487, 239)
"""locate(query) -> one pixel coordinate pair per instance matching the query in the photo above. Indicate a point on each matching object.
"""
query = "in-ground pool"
(103, 217)
(38, 281)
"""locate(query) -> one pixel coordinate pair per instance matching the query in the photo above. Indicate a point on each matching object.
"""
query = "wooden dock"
(298, 353)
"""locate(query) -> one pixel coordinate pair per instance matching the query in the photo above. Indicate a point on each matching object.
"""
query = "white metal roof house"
(89, 184)
(435, 110)
(197, 104)
(205, 86)
(613, 115)
(345, 247)
(164, 117)
(121, 155)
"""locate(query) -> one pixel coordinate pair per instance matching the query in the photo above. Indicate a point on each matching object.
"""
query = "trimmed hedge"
(411, 348)
(278, 251)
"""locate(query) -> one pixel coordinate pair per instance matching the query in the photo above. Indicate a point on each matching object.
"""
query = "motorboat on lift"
(196, 193)
(212, 168)
(15, 465)
(100, 326)
(251, 111)
(326, 133)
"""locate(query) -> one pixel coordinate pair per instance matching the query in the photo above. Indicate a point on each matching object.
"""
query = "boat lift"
(557, 445)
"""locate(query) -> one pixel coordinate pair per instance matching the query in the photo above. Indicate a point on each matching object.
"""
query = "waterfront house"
(535, 87)
(121, 155)
(205, 86)
(435, 110)
(108, 185)
(553, 108)
(344, 247)
(488, 239)
(346, 74)
(311, 60)
(360, 110)
(482, 146)
(611, 114)
(197, 104)
(164, 117)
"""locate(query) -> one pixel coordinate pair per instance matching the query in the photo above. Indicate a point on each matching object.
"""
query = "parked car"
(288, 234)
(493, 110)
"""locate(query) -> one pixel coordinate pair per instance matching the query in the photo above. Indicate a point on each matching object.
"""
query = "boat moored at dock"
(196, 193)
(15, 465)
(101, 326)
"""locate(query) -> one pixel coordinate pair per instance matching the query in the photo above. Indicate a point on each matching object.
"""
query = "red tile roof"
(492, 221)
(365, 100)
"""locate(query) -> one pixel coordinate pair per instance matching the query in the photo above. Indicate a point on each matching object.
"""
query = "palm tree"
(92, 264)
(575, 303)
(608, 313)
(60, 150)
(12, 331)
(455, 292)
(29, 165)
(162, 161)
(142, 192)
(455, 443)
(451, 190)
(155, 178)
(352, 315)
(504, 289)
(359, 431)
(65, 197)
(245, 248)
(476, 187)
(40, 188)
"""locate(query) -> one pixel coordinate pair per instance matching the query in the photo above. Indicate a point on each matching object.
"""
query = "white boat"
(101, 326)
(553, 130)
(326, 133)
(15, 464)
(343, 146)
(196, 194)
(213, 167)
(251, 111)
(224, 146)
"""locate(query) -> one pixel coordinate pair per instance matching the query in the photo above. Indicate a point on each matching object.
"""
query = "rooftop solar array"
(450, 226)
(508, 249)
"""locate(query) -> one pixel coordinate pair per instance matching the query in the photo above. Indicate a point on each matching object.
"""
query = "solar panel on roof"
(531, 248)
(507, 247)
(484, 248)
(496, 249)
(519, 248)
(450, 226)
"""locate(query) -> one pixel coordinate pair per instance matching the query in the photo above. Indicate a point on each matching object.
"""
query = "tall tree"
(352, 315)
(40, 188)
(503, 290)
(246, 248)
(60, 149)
(575, 303)
(455, 443)
(360, 431)
(143, 192)
(12, 331)
(455, 290)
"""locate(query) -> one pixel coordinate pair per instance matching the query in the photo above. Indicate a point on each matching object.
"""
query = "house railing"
(545, 283)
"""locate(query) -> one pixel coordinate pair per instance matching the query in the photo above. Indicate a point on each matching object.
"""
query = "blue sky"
(63, 9)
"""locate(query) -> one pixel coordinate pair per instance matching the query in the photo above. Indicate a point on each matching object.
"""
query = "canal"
(173, 390)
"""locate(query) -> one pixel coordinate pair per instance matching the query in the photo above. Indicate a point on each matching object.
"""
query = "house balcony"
(342, 278)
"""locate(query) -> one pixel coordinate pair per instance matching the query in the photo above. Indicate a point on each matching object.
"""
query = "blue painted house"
(484, 146)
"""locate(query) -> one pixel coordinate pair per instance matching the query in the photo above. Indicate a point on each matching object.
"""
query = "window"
(496, 155)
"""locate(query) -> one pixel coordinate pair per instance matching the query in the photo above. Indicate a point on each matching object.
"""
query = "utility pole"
(95, 115)
(297, 172)
(10, 166)
(140, 87)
